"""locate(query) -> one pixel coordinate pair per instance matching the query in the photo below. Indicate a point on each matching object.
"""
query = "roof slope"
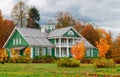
(88, 44)
(58, 32)
(35, 37)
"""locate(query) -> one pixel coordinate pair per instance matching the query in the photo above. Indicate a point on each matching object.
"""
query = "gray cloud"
(105, 13)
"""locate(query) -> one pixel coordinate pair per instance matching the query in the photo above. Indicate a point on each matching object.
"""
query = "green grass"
(51, 70)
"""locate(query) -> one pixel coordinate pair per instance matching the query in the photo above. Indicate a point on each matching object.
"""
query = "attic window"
(70, 32)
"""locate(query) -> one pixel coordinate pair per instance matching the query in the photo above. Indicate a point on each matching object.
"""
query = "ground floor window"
(88, 52)
(57, 52)
(49, 51)
(36, 51)
(64, 52)
(43, 51)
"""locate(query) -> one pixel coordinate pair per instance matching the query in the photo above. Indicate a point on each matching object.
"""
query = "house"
(57, 43)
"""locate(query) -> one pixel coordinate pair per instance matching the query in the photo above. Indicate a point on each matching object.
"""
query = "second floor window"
(17, 41)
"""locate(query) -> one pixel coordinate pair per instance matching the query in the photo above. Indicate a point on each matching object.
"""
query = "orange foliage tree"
(107, 36)
(103, 47)
(6, 27)
(78, 50)
(90, 33)
(115, 48)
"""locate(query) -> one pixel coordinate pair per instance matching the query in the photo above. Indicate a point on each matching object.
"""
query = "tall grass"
(51, 70)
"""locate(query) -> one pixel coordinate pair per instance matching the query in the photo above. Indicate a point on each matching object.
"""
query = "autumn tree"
(90, 33)
(27, 51)
(115, 48)
(107, 36)
(6, 27)
(103, 47)
(78, 50)
(20, 14)
(34, 18)
(3, 55)
(64, 20)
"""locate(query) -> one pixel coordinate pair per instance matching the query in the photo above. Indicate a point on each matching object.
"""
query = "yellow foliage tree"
(103, 47)
(27, 51)
(78, 50)
(14, 53)
(3, 55)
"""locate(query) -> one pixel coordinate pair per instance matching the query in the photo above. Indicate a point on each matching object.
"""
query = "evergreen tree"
(34, 18)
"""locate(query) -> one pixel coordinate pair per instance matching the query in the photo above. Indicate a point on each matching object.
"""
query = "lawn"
(51, 70)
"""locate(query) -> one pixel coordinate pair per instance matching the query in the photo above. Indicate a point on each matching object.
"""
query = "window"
(88, 52)
(57, 52)
(36, 51)
(57, 42)
(64, 52)
(19, 40)
(16, 41)
(70, 42)
(91, 52)
(70, 32)
(64, 42)
(49, 51)
(43, 51)
(13, 41)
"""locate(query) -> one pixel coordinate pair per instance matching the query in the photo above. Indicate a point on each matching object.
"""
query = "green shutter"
(95, 53)
(33, 52)
(52, 52)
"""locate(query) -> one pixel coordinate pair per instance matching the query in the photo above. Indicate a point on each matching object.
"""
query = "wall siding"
(95, 52)
(53, 52)
(52, 41)
(16, 35)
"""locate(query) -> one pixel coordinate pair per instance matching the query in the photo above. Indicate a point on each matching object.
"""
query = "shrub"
(86, 60)
(68, 62)
(104, 63)
(117, 60)
(44, 59)
(23, 59)
(20, 59)
(13, 59)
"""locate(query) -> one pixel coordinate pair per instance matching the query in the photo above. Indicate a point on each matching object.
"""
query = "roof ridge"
(26, 28)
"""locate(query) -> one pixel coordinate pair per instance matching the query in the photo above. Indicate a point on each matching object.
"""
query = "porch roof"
(19, 48)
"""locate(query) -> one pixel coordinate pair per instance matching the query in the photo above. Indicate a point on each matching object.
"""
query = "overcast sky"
(101, 13)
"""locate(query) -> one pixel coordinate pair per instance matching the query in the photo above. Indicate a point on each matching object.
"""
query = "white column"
(60, 47)
(55, 52)
(67, 47)
(55, 41)
(31, 52)
(73, 41)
